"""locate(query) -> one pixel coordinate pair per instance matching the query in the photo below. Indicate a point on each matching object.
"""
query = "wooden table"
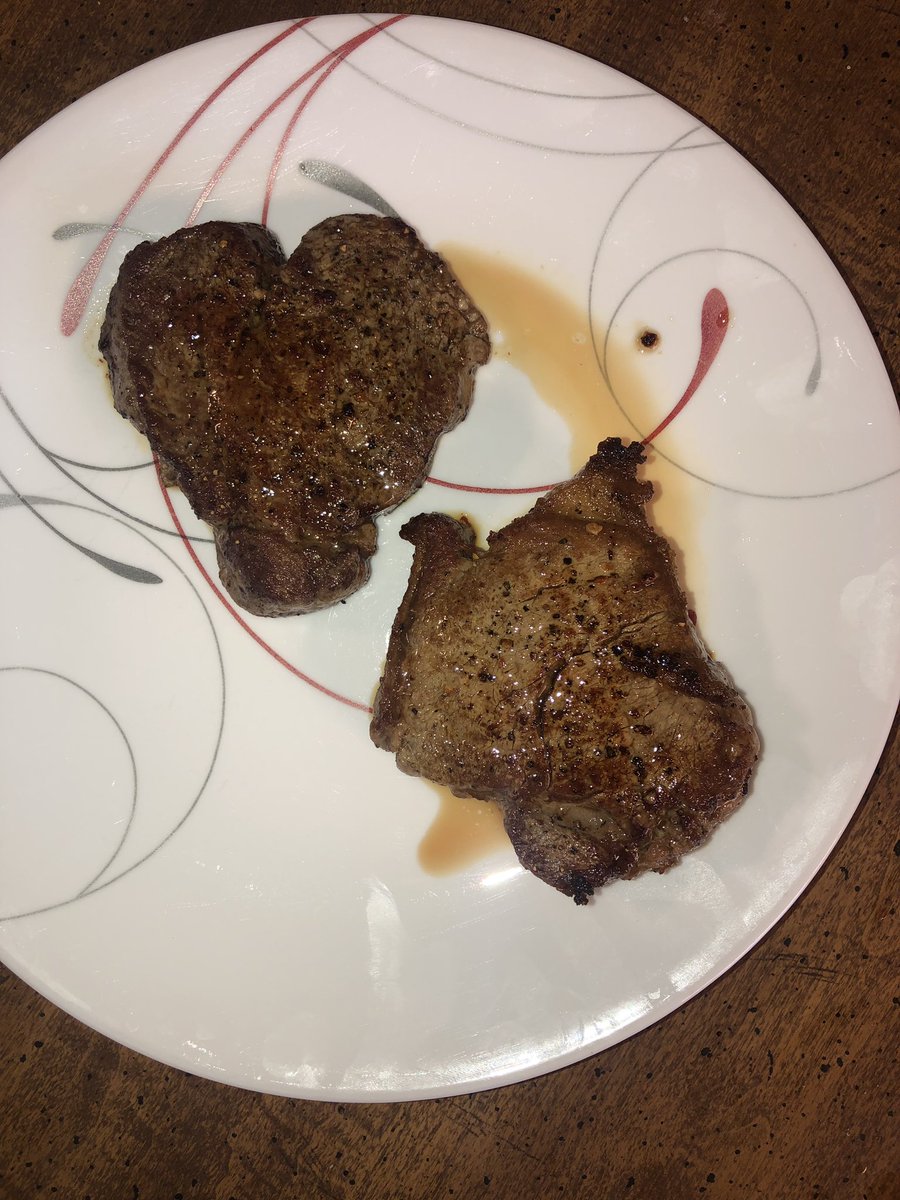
(776, 1082)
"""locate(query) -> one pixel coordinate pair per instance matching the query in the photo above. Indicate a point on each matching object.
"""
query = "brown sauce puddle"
(463, 832)
(547, 336)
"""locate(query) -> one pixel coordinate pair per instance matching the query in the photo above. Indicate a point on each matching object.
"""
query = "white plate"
(203, 856)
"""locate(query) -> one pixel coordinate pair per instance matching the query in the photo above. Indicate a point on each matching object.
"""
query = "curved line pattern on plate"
(714, 318)
(811, 384)
(601, 357)
(125, 570)
(516, 87)
(138, 574)
(340, 56)
(11, 500)
(133, 806)
(78, 295)
(73, 462)
(531, 490)
(57, 459)
(77, 228)
(617, 208)
(815, 372)
(339, 179)
(500, 137)
(94, 887)
(725, 487)
(328, 63)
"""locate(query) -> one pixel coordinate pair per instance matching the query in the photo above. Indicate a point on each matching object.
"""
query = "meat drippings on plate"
(292, 399)
(558, 674)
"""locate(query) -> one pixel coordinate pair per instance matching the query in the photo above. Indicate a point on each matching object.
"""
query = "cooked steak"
(559, 674)
(292, 400)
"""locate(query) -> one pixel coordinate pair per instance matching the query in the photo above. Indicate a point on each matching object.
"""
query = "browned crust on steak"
(292, 400)
(559, 675)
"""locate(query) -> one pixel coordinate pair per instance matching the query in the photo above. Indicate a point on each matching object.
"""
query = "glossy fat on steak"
(292, 400)
(559, 674)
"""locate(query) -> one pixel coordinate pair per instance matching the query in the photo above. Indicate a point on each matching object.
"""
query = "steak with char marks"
(559, 674)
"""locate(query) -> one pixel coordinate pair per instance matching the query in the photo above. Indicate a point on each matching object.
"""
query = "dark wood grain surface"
(779, 1080)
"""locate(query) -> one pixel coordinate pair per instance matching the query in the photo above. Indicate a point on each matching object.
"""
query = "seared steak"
(292, 400)
(559, 674)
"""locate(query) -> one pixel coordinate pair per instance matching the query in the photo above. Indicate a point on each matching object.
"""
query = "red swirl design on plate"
(338, 57)
(330, 61)
(714, 318)
(491, 491)
(79, 293)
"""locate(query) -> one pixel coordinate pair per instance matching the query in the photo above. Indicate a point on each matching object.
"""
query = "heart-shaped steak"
(292, 400)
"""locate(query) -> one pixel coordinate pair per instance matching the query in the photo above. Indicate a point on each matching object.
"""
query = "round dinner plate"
(202, 854)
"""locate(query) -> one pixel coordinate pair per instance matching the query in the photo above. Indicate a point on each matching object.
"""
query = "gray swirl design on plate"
(513, 87)
(93, 885)
(83, 466)
(125, 570)
(507, 138)
(815, 373)
(127, 744)
(601, 352)
(77, 228)
(339, 179)
(812, 381)
(811, 384)
(726, 487)
(58, 459)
